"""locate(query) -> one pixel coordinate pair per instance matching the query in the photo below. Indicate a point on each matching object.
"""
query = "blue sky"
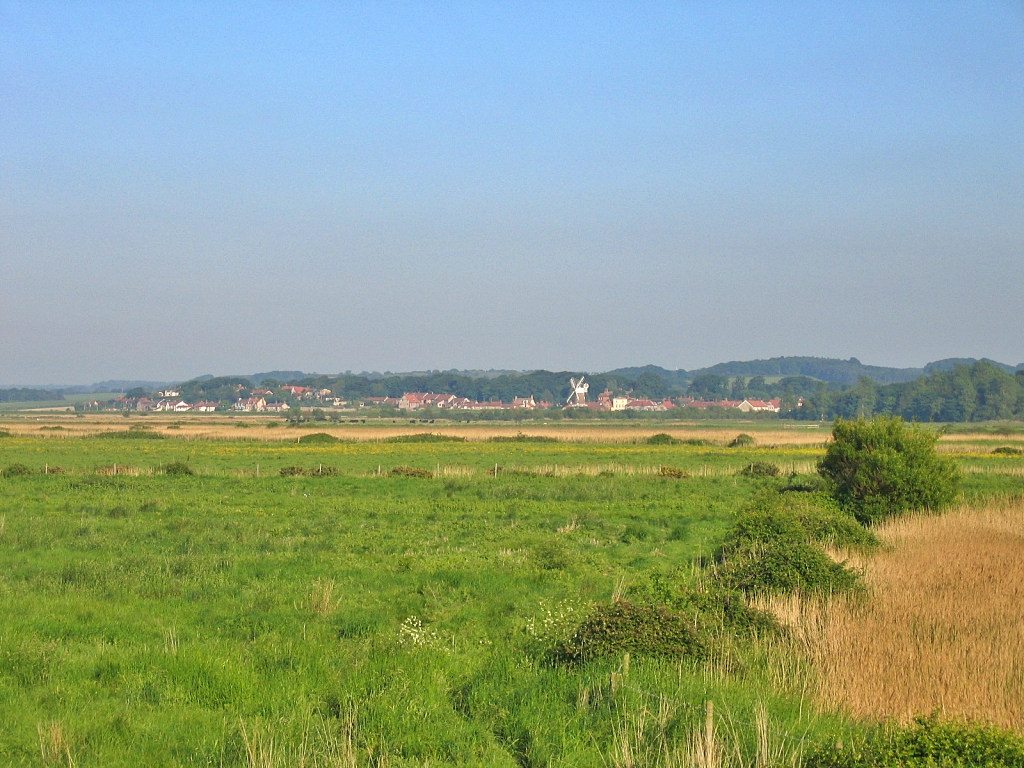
(191, 188)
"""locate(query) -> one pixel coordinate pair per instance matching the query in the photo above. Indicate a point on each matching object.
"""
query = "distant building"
(767, 406)
(250, 404)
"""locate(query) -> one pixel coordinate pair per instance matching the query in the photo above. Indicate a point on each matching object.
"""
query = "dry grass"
(322, 600)
(54, 745)
(942, 627)
(640, 740)
(272, 429)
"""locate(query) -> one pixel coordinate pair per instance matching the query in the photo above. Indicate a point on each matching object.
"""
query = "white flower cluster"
(412, 633)
(554, 623)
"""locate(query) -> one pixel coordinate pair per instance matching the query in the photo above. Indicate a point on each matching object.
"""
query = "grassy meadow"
(355, 615)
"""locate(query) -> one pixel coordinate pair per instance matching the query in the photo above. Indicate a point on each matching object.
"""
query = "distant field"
(983, 439)
(255, 427)
(68, 403)
(383, 608)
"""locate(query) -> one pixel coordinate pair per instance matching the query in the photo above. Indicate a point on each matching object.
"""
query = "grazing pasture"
(181, 601)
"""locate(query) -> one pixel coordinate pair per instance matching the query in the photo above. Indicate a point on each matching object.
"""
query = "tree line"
(978, 392)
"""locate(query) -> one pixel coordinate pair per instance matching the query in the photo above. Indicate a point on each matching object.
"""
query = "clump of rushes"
(760, 469)
(742, 440)
(320, 470)
(403, 471)
(17, 470)
(178, 469)
(318, 437)
(673, 472)
(424, 437)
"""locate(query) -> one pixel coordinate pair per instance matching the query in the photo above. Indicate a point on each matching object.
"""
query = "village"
(263, 400)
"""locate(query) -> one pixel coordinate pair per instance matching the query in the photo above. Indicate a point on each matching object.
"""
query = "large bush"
(883, 467)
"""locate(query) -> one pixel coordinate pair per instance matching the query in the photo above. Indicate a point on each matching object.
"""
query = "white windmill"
(578, 396)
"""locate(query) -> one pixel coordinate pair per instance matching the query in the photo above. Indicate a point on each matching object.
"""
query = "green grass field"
(231, 618)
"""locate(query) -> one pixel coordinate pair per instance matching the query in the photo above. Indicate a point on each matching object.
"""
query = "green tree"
(709, 386)
(883, 467)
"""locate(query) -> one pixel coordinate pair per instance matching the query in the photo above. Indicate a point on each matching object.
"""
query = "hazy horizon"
(264, 372)
(188, 189)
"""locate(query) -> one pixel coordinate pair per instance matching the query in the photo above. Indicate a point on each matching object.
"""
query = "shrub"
(521, 438)
(17, 470)
(403, 471)
(663, 438)
(674, 472)
(774, 546)
(760, 469)
(786, 565)
(925, 743)
(815, 517)
(712, 605)
(178, 469)
(804, 484)
(642, 629)
(135, 433)
(323, 470)
(884, 467)
(424, 437)
(318, 437)
(551, 556)
(1005, 449)
(742, 440)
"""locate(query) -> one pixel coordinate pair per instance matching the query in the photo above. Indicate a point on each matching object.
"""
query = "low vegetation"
(451, 602)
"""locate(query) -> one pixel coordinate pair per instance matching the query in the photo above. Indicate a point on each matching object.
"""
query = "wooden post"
(709, 733)
(616, 681)
(625, 665)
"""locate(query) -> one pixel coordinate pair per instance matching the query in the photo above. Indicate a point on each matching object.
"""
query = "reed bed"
(998, 469)
(264, 429)
(941, 627)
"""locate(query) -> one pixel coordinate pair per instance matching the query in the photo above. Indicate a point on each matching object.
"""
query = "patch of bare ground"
(941, 626)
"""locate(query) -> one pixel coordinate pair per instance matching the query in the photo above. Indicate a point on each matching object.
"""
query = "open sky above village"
(192, 188)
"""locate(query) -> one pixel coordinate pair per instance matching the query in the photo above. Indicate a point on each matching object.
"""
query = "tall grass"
(942, 625)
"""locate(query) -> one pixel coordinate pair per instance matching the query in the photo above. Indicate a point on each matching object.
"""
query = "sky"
(193, 188)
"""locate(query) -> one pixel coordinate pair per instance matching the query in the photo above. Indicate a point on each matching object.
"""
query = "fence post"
(709, 734)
